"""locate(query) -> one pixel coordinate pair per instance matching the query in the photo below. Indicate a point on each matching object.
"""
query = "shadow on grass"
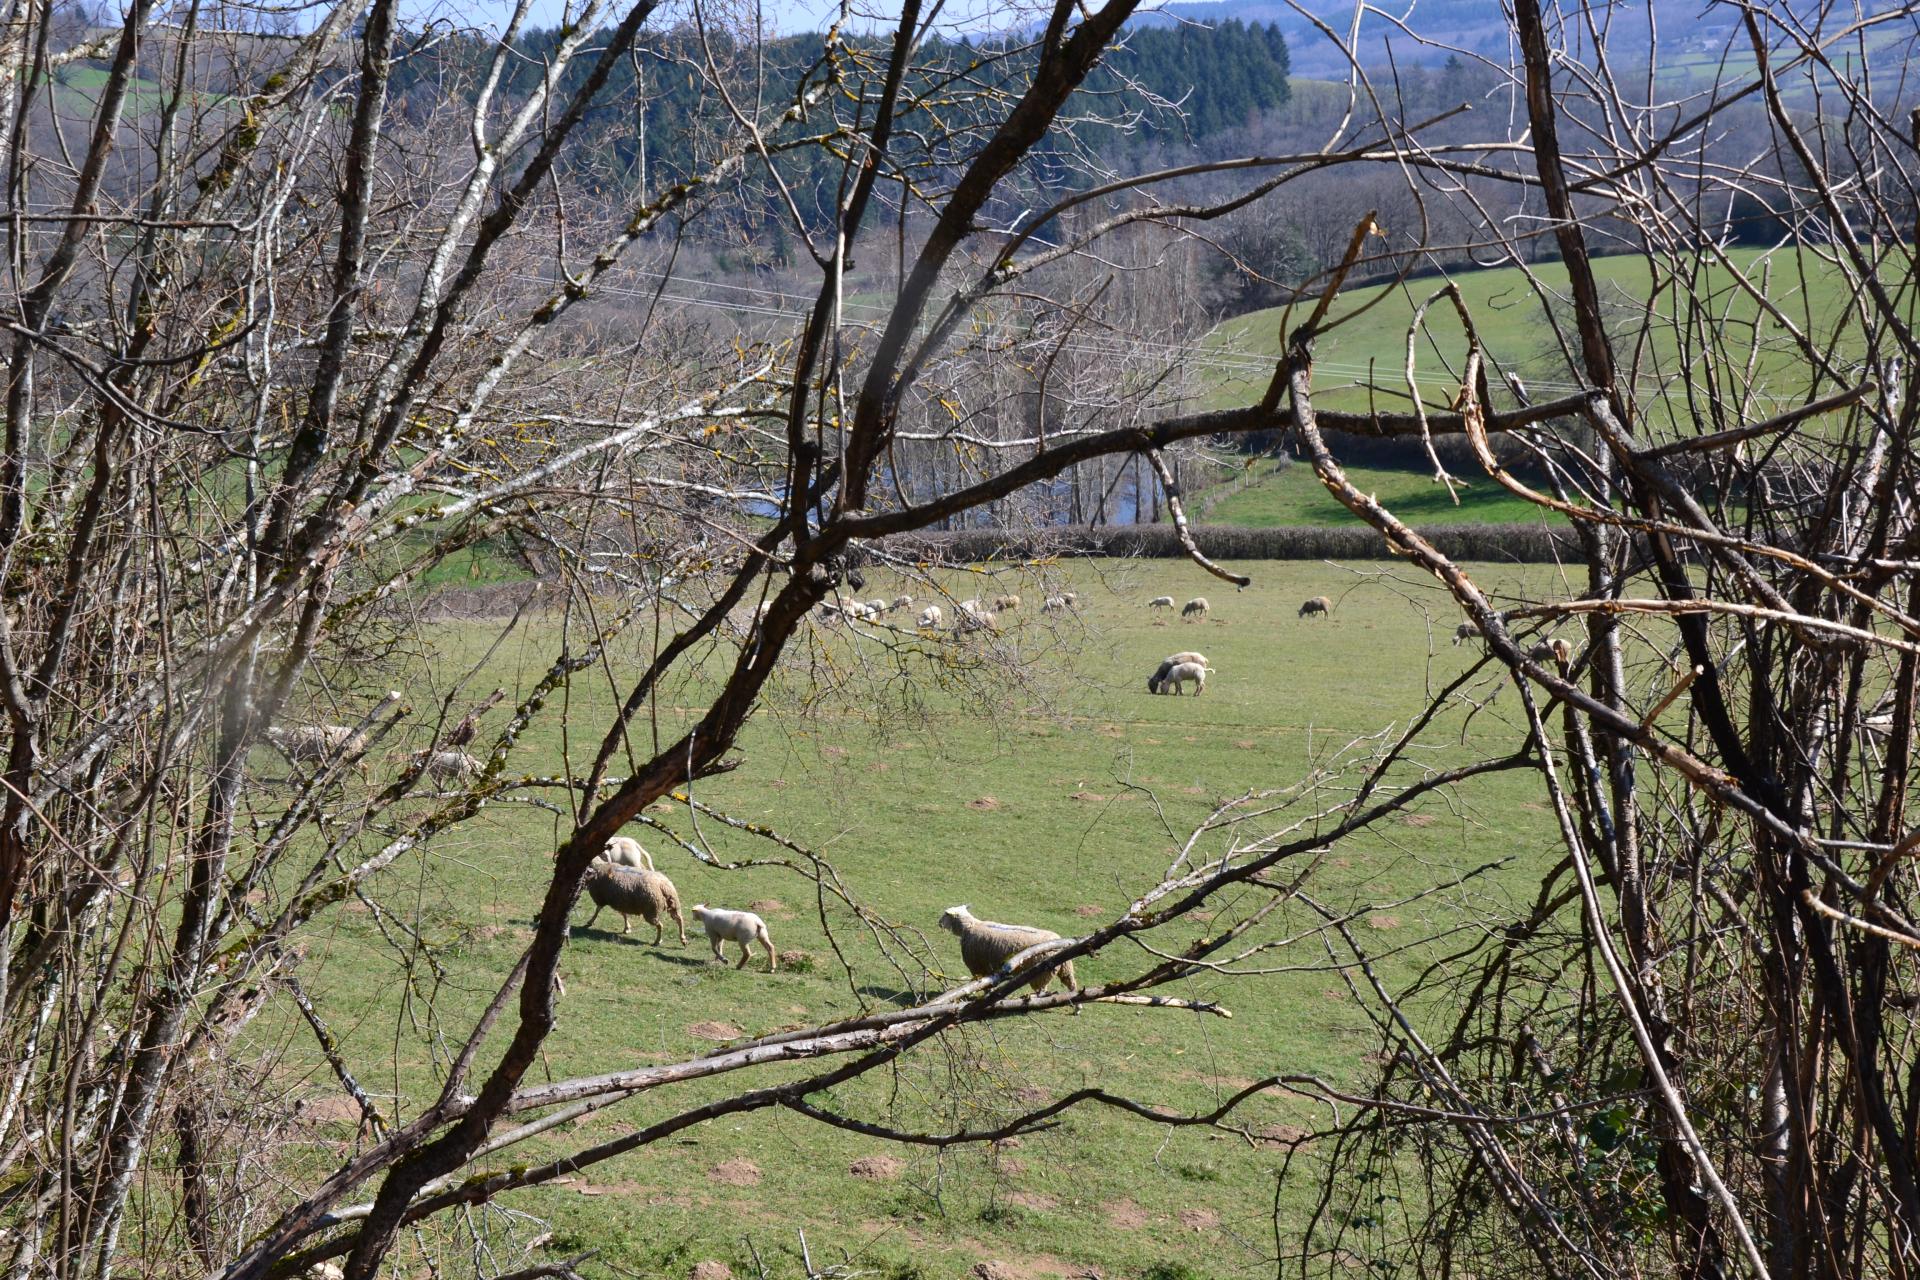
(891, 995)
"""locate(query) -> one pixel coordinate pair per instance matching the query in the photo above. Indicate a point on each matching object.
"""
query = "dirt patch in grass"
(1128, 1216)
(611, 1189)
(770, 907)
(1089, 796)
(1418, 819)
(1280, 1134)
(985, 804)
(1089, 910)
(1029, 1268)
(1033, 1200)
(1245, 744)
(1199, 1219)
(1030, 1093)
(710, 1269)
(877, 1168)
(1383, 922)
(735, 1173)
(714, 1031)
(334, 1110)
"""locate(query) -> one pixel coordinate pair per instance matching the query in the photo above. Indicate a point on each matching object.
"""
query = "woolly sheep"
(1072, 598)
(969, 606)
(1552, 651)
(976, 621)
(876, 608)
(987, 946)
(1001, 604)
(1468, 630)
(1160, 602)
(1159, 677)
(1197, 605)
(1183, 672)
(902, 602)
(1319, 604)
(1054, 604)
(634, 891)
(625, 851)
(447, 766)
(316, 742)
(742, 927)
(931, 616)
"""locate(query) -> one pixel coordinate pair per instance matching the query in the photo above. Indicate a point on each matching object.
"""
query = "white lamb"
(1468, 630)
(742, 927)
(969, 606)
(1183, 672)
(986, 946)
(1157, 682)
(1196, 607)
(625, 851)
(1054, 604)
(1160, 602)
(876, 608)
(902, 602)
(451, 765)
(931, 616)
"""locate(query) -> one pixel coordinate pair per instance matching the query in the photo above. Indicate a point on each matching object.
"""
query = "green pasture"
(929, 777)
(1360, 362)
(1290, 495)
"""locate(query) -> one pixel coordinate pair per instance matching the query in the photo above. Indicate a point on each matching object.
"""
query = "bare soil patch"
(1383, 922)
(1088, 910)
(735, 1173)
(985, 804)
(877, 1168)
(714, 1031)
(1199, 1219)
(1128, 1216)
(710, 1269)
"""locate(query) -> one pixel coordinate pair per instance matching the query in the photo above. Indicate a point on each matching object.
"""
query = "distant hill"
(1466, 26)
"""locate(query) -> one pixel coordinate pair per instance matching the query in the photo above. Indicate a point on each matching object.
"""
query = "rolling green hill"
(1368, 344)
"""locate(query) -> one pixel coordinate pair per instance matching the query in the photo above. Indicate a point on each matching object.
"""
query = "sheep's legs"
(773, 961)
(745, 952)
(717, 953)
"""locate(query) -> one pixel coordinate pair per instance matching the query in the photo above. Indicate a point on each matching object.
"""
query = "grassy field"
(1512, 324)
(1054, 803)
(1291, 495)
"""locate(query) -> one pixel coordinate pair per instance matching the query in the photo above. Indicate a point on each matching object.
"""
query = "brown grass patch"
(1091, 797)
(1088, 910)
(986, 804)
(710, 1269)
(768, 907)
(1128, 1216)
(1199, 1219)
(1383, 922)
(1033, 1200)
(1418, 819)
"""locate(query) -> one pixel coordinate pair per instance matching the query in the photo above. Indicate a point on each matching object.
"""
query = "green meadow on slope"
(1372, 346)
(1055, 801)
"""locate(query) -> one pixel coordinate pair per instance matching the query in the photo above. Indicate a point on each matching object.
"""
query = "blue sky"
(782, 16)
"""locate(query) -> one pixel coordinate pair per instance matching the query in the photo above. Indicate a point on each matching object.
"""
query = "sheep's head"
(699, 910)
(953, 919)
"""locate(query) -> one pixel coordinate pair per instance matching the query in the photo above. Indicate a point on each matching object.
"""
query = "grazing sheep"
(1159, 677)
(634, 891)
(876, 608)
(931, 616)
(1319, 604)
(625, 851)
(1160, 602)
(1072, 598)
(447, 766)
(1002, 604)
(973, 620)
(316, 742)
(969, 606)
(986, 946)
(902, 602)
(1468, 630)
(1557, 651)
(742, 927)
(1054, 604)
(1198, 605)
(1181, 672)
